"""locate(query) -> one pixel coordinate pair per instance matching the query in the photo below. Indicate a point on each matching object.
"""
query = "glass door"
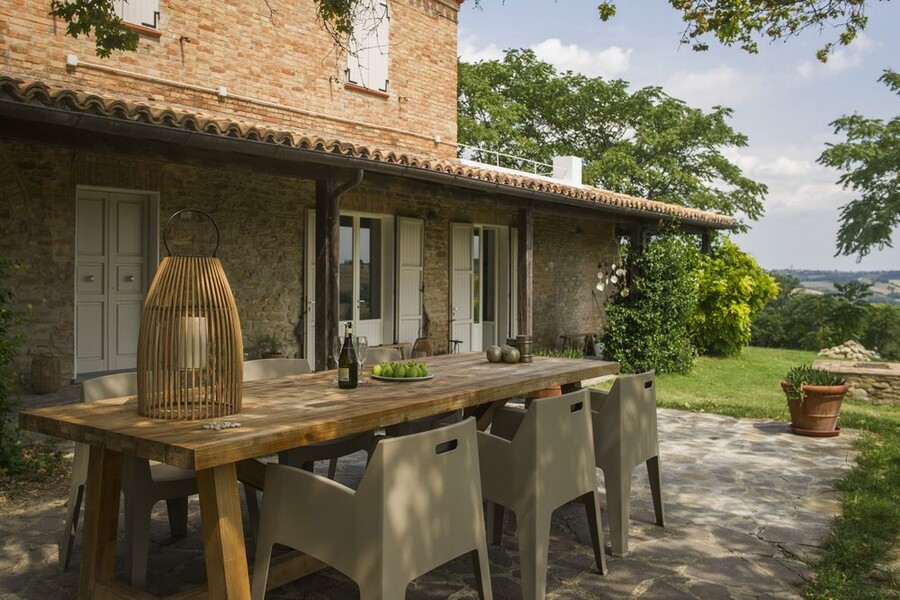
(360, 275)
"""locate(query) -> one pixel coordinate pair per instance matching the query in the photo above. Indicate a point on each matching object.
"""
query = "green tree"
(732, 289)
(743, 21)
(644, 143)
(870, 159)
(851, 309)
(650, 327)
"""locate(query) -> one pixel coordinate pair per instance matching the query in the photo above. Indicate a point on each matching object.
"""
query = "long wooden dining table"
(276, 414)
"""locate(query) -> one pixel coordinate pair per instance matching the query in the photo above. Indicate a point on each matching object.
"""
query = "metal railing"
(503, 160)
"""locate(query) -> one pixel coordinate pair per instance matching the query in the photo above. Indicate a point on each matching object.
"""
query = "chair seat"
(161, 472)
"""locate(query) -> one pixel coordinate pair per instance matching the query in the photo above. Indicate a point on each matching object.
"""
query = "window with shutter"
(138, 12)
(367, 59)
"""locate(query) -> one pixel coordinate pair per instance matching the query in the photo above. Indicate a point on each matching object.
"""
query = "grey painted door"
(111, 277)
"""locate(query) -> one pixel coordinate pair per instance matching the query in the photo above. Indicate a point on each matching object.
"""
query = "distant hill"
(885, 284)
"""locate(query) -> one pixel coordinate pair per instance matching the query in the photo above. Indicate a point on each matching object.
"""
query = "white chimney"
(567, 169)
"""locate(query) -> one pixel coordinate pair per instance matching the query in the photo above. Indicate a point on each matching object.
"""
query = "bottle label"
(344, 374)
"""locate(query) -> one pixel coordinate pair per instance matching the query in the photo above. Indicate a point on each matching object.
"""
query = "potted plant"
(270, 346)
(814, 397)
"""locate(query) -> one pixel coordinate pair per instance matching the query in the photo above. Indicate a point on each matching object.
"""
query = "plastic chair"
(303, 457)
(417, 425)
(380, 355)
(417, 507)
(533, 462)
(144, 483)
(625, 436)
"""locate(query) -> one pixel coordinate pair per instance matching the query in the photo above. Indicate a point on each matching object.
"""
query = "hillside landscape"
(885, 284)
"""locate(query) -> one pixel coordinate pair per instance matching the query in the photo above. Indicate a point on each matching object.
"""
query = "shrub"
(11, 459)
(649, 328)
(732, 289)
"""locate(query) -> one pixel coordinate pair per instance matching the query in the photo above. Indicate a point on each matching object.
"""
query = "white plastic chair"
(417, 507)
(144, 483)
(625, 436)
(533, 462)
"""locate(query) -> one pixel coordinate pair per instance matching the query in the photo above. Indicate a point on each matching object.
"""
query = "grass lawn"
(865, 541)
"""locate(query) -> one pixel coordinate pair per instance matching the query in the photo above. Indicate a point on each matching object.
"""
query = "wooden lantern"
(190, 352)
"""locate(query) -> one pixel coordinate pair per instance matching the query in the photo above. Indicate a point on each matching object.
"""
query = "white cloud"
(842, 59)
(721, 86)
(468, 50)
(608, 63)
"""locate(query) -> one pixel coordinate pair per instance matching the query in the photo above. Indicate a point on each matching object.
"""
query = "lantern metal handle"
(196, 210)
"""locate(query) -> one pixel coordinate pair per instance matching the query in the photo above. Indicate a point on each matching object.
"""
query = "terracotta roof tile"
(39, 93)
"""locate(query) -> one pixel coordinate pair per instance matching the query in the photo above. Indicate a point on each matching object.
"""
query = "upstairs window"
(367, 60)
(144, 13)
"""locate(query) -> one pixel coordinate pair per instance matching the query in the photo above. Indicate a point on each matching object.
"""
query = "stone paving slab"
(745, 501)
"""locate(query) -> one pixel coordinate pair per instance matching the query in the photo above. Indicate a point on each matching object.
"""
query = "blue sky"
(783, 100)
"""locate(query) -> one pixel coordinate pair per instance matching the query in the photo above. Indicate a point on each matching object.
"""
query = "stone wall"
(263, 228)
(873, 382)
(279, 66)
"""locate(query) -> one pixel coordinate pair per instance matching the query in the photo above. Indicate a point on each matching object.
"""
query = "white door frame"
(377, 330)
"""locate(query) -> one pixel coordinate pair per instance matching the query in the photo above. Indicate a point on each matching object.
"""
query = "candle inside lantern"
(192, 343)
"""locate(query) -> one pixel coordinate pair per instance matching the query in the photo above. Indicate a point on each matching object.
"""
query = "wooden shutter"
(367, 61)
(139, 12)
(410, 277)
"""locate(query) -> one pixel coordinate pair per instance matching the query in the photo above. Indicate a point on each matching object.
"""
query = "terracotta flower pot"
(544, 393)
(817, 413)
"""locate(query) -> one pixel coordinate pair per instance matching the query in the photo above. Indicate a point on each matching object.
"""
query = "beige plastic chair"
(380, 355)
(144, 483)
(533, 462)
(303, 457)
(625, 436)
(417, 507)
(377, 355)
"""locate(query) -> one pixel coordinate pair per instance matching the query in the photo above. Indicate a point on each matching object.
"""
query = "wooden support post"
(324, 193)
(328, 251)
(525, 270)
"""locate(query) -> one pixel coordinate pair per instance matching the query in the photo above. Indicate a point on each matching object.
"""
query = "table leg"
(101, 519)
(223, 533)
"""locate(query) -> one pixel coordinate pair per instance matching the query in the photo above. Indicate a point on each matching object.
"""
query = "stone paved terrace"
(744, 500)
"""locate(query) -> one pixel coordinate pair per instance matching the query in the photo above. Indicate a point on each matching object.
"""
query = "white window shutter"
(138, 12)
(367, 60)
(410, 277)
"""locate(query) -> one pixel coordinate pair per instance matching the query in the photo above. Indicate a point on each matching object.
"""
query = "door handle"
(90, 278)
(130, 278)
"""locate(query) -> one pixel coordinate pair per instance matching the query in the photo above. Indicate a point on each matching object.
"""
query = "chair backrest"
(556, 441)
(625, 427)
(272, 368)
(380, 355)
(424, 492)
(115, 385)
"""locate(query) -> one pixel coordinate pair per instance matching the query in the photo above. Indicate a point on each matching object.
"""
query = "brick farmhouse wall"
(279, 66)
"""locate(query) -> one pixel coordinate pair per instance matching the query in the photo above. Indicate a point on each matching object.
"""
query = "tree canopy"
(644, 143)
(743, 21)
(870, 159)
(729, 21)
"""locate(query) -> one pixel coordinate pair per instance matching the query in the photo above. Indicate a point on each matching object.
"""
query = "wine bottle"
(348, 367)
